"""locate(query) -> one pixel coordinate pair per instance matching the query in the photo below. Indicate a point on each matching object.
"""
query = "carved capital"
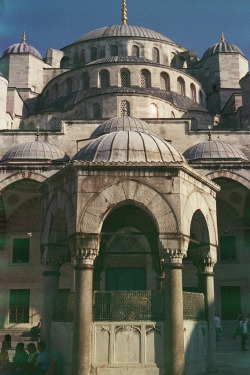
(84, 247)
(85, 256)
(209, 262)
(172, 256)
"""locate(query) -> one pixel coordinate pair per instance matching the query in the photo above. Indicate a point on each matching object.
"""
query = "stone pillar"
(85, 249)
(174, 328)
(208, 281)
(51, 286)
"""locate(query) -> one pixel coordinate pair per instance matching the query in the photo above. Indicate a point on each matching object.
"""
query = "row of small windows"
(80, 60)
(145, 82)
(124, 110)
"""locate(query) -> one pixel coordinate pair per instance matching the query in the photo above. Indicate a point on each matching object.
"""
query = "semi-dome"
(216, 150)
(123, 30)
(35, 151)
(222, 47)
(129, 147)
(122, 123)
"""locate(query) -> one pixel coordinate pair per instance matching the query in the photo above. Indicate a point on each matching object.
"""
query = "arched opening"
(165, 82)
(75, 60)
(58, 236)
(85, 81)
(128, 257)
(64, 63)
(193, 92)
(114, 50)
(135, 51)
(104, 79)
(93, 53)
(125, 78)
(155, 55)
(181, 86)
(145, 79)
(82, 57)
(201, 98)
(125, 108)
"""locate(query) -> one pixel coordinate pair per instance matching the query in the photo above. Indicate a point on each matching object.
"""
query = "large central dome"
(123, 30)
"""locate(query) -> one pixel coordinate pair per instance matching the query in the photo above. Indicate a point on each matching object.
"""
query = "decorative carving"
(154, 328)
(85, 256)
(172, 255)
(209, 261)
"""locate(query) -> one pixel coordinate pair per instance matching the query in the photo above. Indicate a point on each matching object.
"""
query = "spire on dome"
(24, 38)
(124, 13)
(222, 37)
(37, 133)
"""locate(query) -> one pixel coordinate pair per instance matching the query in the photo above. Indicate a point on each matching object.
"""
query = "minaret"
(124, 14)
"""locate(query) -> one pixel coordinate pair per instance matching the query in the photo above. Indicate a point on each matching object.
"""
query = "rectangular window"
(21, 249)
(228, 248)
(19, 306)
(230, 302)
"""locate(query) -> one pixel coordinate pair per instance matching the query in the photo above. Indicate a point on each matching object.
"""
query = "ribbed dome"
(122, 123)
(22, 48)
(214, 150)
(35, 151)
(129, 147)
(222, 47)
(123, 30)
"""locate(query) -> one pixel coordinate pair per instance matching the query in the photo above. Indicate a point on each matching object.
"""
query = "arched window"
(145, 78)
(64, 63)
(85, 81)
(165, 82)
(125, 78)
(124, 108)
(154, 110)
(135, 51)
(75, 60)
(181, 86)
(173, 59)
(82, 57)
(69, 86)
(114, 50)
(104, 79)
(201, 98)
(93, 53)
(55, 91)
(155, 55)
(193, 92)
(96, 111)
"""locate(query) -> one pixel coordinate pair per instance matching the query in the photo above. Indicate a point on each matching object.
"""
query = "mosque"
(125, 199)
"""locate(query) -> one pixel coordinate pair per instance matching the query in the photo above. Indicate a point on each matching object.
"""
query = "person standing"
(217, 323)
(243, 328)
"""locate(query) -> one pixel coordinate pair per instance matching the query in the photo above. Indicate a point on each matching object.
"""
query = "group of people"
(34, 361)
(242, 329)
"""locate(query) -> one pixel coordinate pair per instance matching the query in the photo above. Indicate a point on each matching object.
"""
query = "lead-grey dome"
(214, 150)
(122, 123)
(222, 47)
(22, 48)
(35, 151)
(129, 147)
(122, 30)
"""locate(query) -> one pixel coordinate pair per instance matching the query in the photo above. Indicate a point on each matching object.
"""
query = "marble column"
(51, 287)
(85, 251)
(208, 282)
(174, 328)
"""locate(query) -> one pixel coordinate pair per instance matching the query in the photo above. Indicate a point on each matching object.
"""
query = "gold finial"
(222, 37)
(24, 38)
(124, 13)
(37, 133)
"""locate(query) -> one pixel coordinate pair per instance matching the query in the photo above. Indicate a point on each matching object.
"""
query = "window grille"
(104, 78)
(125, 108)
(21, 249)
(154, 110)
(193, 92)
(125, 78)
(135, 51)
(181, 86)
(93, 53)
(114, 50)
(55, 124)
(201, 98)
(82, 57)
(19, 306)
(145, 79)
(155, 55)
(164, 82)
(96, 111)
(75, 60)
(102, 53)
(85, 81)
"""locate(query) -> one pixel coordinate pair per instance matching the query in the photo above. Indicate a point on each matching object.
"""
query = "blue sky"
(194, 24)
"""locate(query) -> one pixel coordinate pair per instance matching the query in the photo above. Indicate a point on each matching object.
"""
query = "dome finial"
(124, 14)
(37, 133)
(222, 37)
(209, 132)
(24, 38)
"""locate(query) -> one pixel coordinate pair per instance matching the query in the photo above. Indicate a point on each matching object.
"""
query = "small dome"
(123, 30)
(222, 47)
(129, 147)
(122, 123)
(35, 151)
(22, 48)
(214, 150)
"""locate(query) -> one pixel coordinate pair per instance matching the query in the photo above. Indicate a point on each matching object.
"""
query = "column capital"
(173, 248)
(84, 247)
(172, 257)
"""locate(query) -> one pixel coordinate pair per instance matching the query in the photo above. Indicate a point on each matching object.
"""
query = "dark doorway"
(230, 302)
